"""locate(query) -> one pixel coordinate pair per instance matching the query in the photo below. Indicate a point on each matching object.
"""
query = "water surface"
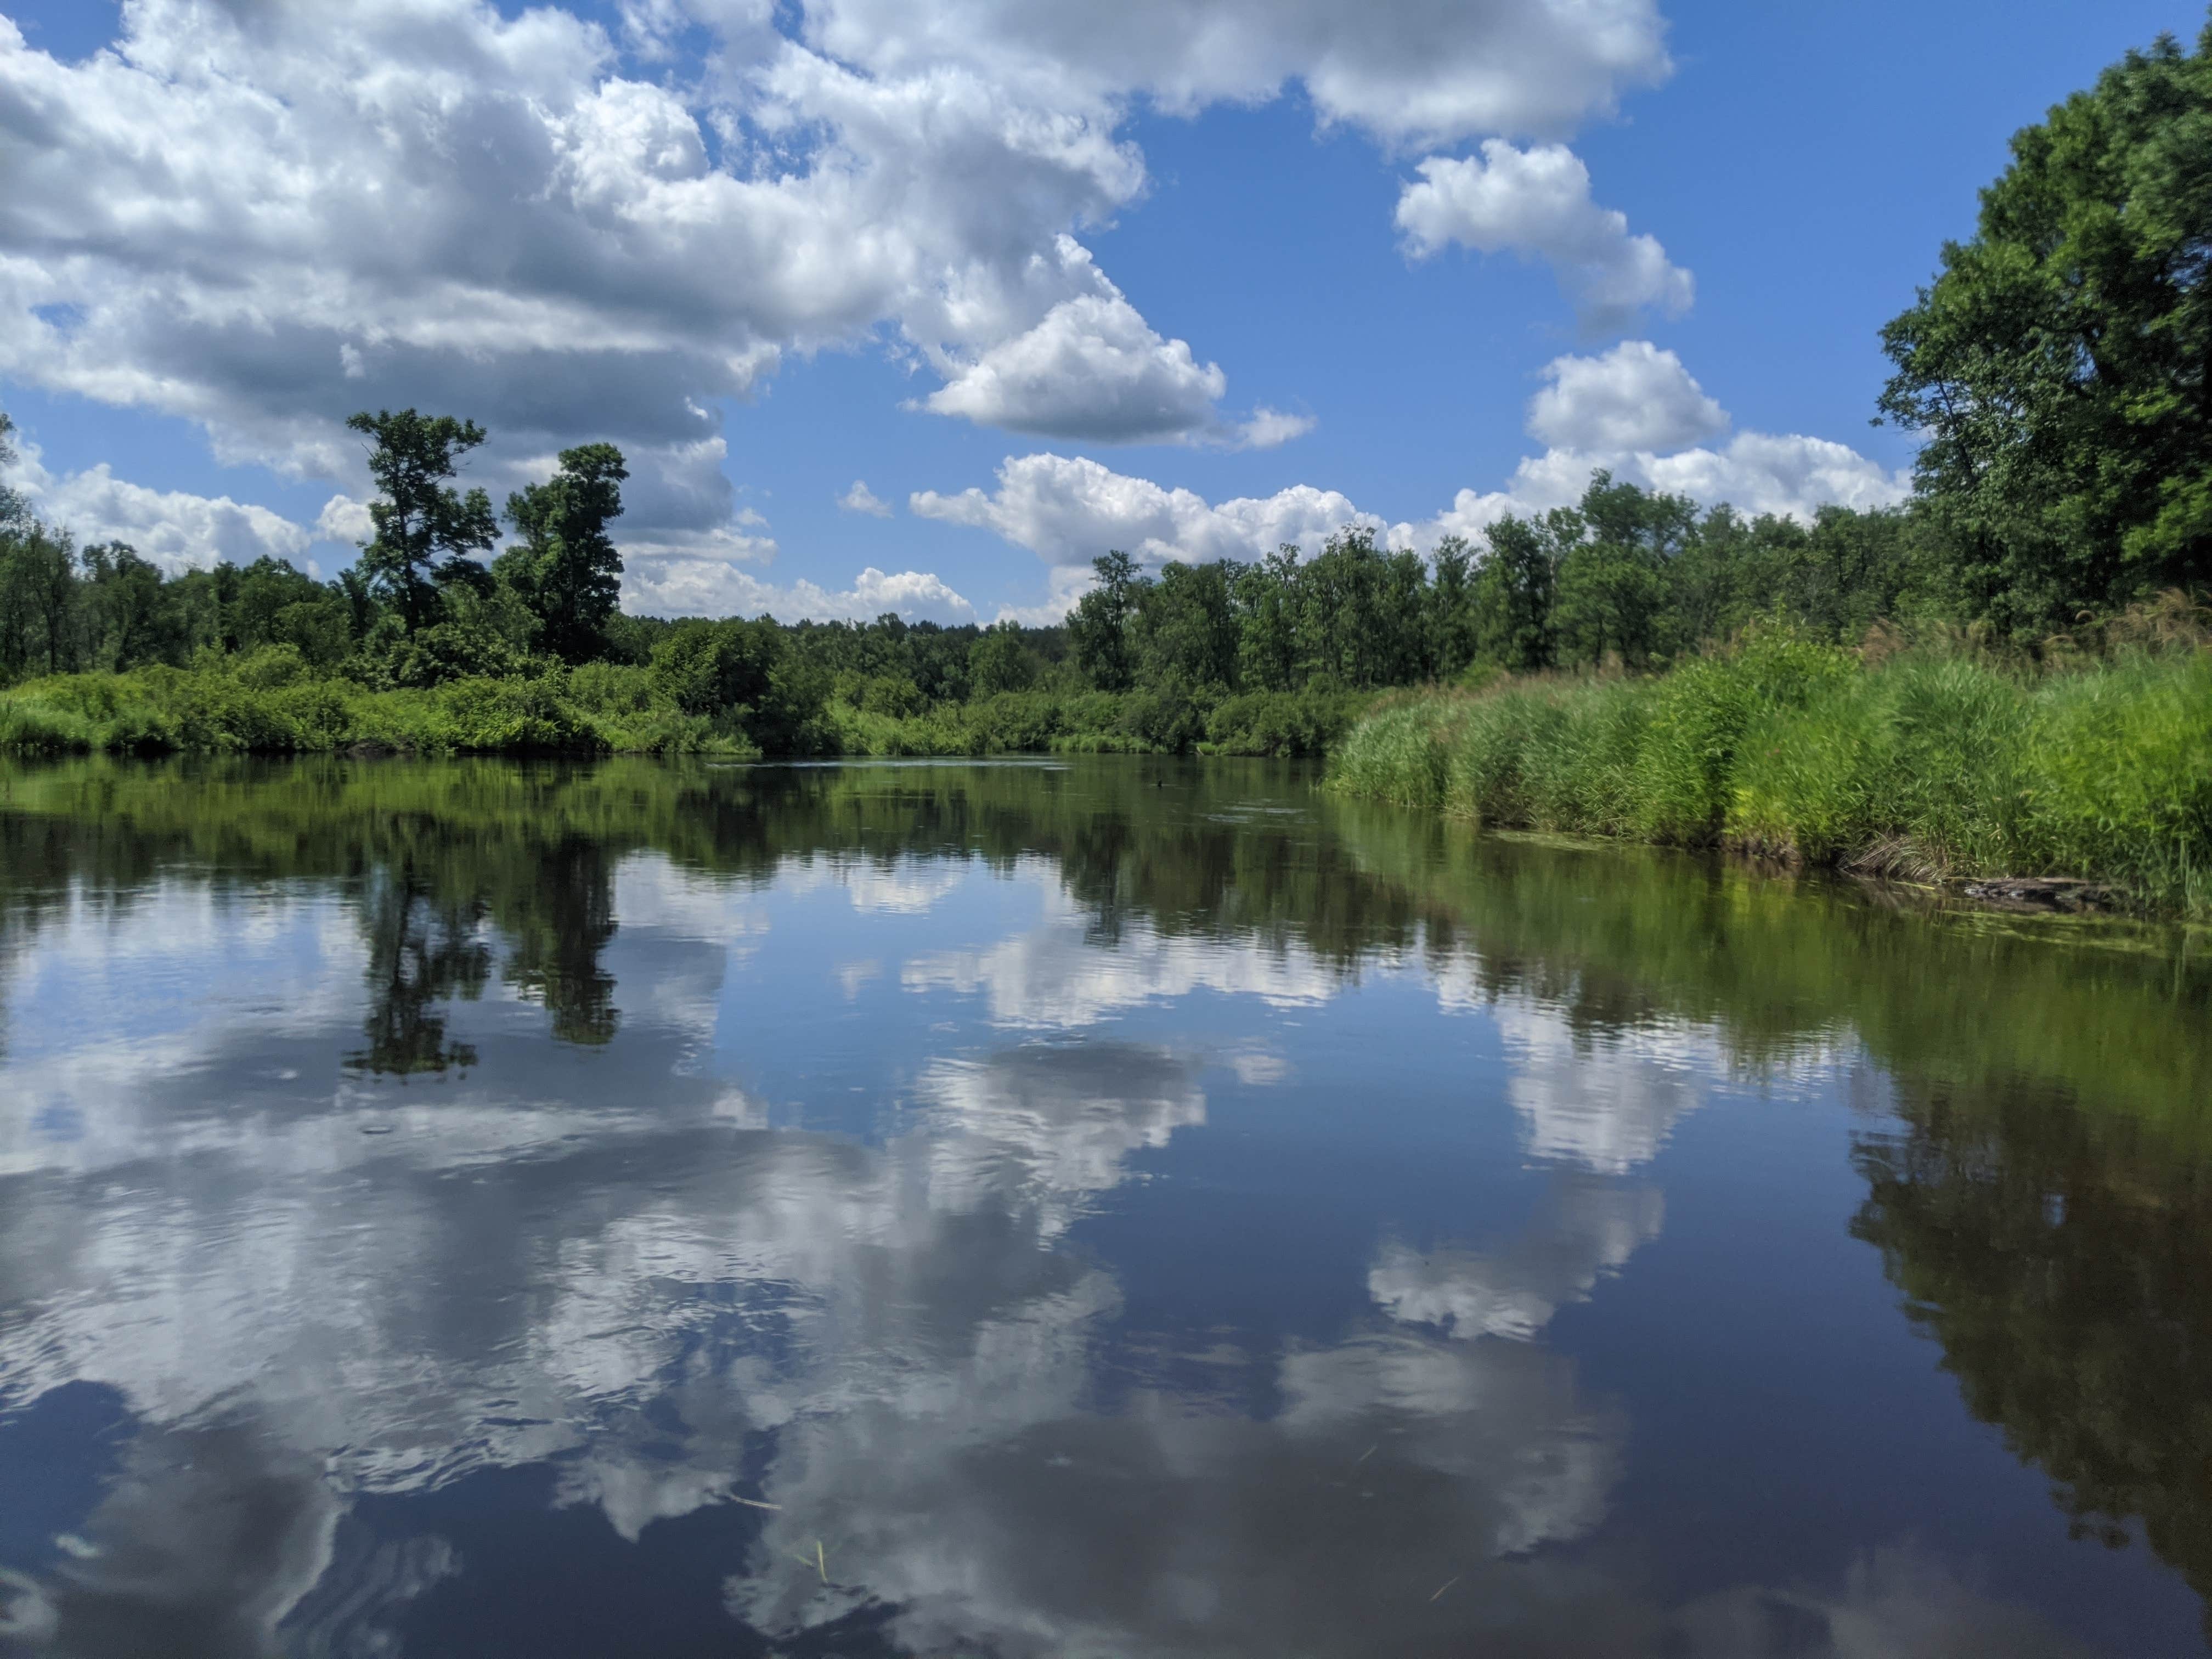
(1117, 1207)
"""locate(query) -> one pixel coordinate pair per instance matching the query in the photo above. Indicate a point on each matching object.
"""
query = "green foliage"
(566, 569)
(2056, 365)
(744, 678)
(1931, 764)
(1000, 661)
(1099, 627)
(425, 530)
(273, 702)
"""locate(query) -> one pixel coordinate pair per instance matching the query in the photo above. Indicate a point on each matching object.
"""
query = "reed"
(1938, 761)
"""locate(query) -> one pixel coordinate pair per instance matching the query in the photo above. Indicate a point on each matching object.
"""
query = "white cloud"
(1268, 428)
(678, 585)
(1068, 510)
(1634, 396)
(1091, 368)
(1537, 202)
(861, 499)
(1630, 412)
(1633, 410)
(261, 219)
(345, 519)
(1409, 71)
(262, 228)
(177, 530)
(1791, 475)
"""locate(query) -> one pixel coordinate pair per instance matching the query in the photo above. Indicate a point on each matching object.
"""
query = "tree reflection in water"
(2061, 1259)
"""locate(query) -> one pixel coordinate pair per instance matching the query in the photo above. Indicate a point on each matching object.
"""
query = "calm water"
(1118, 1208)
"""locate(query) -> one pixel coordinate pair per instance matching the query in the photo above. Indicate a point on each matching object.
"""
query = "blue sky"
(177, 266)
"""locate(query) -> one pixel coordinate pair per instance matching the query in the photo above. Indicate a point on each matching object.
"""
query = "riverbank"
(272, 702)
(1930, 765)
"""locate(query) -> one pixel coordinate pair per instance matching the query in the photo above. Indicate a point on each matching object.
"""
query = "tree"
(999, 661)
(1267, 641)
(37, 601)
(1612, 594)
(15, 511)
(1098, 628)
(2060, 365)
(425, 528)
(1514, 591)
(1454, 636)
(1186, 626)
(130, 618)
(566, 570)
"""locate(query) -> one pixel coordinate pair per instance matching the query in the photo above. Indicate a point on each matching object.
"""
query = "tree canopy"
(2059, 367)
(566, 570)
(425, 528)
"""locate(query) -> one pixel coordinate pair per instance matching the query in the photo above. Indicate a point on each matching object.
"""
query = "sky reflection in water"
(1112, 1209)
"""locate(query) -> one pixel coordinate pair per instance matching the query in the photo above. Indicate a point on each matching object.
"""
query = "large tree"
(425, 528)
(1099, 627)
(566, 570)
(2060, 366)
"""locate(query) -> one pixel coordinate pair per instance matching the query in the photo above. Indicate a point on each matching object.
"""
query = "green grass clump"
(1929, 764)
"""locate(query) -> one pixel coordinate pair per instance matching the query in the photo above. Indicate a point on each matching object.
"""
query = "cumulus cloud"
(1536, 202)
(861, 499)
(260, 220)
(1635, 411)
(1068, 510)
(1409, 72)
(1091, 368)
(1634, 396)
(1270, 427)
(689, 586)
(177, 530)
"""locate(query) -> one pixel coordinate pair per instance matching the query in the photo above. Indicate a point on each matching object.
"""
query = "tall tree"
(2061, 364)
(1186, 625)
(15, 511)
(566, 570)
(129, 620)
(1455, 637)
(1514, 589)
(999, 661)
(425, 528)
(1098, 628)
(1267, 608)
(1612, 581)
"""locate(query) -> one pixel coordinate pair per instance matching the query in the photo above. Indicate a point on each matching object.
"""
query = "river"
(1099, 1208)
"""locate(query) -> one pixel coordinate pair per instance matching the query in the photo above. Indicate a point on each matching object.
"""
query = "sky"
(918, 306)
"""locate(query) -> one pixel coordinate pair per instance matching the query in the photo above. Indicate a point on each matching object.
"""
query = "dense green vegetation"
(1930, 762)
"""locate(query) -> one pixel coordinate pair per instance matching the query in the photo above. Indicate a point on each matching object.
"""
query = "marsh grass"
(1932, 761)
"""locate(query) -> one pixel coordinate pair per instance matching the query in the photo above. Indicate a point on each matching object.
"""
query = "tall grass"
(1934, 762)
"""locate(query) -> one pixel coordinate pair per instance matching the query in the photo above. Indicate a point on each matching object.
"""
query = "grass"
(1934, 764)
